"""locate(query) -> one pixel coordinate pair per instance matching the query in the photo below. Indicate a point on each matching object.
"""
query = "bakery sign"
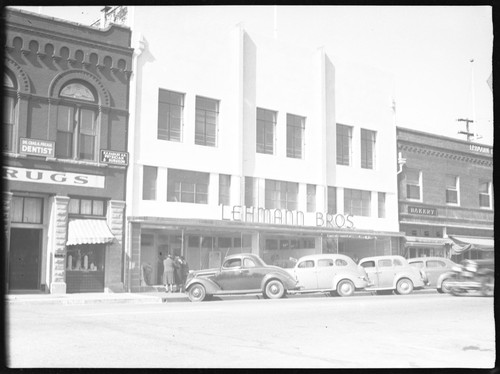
(53, 177)
(422, 211)
(36, 147)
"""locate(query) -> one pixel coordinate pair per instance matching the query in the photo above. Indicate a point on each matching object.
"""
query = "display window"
(87, 257)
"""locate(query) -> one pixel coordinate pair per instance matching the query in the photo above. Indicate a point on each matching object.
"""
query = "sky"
(440, 57)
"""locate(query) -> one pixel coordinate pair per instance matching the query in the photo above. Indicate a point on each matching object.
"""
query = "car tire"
(488, 286)
(345, 288)
(404, 286)
(445, 288)
(457, 292)
(197, 293)
(274, 289)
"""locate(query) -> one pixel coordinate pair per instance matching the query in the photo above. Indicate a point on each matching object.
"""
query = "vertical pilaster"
(114, 252)
(7, 199)
(58, 248)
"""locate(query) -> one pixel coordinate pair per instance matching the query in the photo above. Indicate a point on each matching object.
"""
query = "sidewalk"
(96, 298)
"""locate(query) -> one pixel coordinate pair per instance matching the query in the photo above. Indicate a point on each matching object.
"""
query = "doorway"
(24, 259)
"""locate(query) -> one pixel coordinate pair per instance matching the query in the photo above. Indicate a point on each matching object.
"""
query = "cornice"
(433, 151)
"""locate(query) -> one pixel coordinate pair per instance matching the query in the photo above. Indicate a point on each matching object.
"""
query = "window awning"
(465, 243)
(88, 231)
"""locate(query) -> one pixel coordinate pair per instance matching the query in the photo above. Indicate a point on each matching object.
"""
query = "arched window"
(9, 113)
(77, 123)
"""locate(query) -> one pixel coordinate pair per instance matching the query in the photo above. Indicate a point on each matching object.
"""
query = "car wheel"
(196, 293)
(457, 292)
(404, 286)
(345, 287)
(488, 286)
(274, 289)
(445, 286)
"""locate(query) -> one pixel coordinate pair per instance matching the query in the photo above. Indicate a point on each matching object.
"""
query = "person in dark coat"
(177, 273)
(184, 273)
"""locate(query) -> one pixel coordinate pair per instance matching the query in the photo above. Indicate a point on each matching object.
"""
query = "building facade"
(65, 160)
(445, 196)
(237, 145)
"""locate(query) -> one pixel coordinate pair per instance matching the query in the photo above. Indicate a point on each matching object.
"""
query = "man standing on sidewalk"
(168, 273)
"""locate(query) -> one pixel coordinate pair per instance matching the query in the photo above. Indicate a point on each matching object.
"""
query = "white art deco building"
(241, 143)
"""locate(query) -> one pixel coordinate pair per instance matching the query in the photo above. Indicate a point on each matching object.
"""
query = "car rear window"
(306, 264)
(248, 263)
(368, 264)
(384, 263)
(417, 264)
(340, 262)
(325, 262)
(397, 262)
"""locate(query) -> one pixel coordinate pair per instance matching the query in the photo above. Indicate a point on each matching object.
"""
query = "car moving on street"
(437, 271)
(243, 273)
(392, 273)
(333, 273)
(473, 275)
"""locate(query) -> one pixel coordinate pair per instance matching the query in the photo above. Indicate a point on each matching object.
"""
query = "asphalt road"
(418, 330)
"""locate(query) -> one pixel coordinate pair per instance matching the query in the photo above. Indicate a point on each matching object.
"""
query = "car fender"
(442, 277)
(417, 281)
(210, 286)
(288, 281)
(353, 277)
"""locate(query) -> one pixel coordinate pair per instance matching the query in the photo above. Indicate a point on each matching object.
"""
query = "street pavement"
(422, 330)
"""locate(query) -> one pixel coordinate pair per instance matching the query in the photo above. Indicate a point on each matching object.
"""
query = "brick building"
(64, 148)
(445, 196)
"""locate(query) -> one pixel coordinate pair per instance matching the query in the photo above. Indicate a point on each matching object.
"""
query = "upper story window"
(281, 195)
(357, 202)
(224, 189)
(187, 186)
(77, 123)
(311, 197)
(413, 184)
(484, 194)
(367, 149)
(344, 144)
(452, 189)
(149, 176)
(381, 205)
(9, 119)
(170, 115)
(83, 206)
(207, 114)
(266, 123)
(295, 127)
(332, 200)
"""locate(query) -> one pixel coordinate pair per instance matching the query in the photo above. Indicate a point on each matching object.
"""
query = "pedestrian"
(168, 273)
(177, 273)
(184, 272)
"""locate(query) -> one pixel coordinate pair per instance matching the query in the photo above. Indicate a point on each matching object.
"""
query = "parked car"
(243, 273)
(473, 275)
(392, 273)
(436, 270)
(333, 273)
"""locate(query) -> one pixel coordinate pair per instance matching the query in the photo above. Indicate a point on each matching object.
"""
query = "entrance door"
(24, 259)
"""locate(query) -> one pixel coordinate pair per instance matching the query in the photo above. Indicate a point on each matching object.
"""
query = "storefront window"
(27, 209)
(85, 258)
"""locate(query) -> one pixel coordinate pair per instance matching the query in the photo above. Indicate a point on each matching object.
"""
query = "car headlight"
(457, 268)
(471, 268)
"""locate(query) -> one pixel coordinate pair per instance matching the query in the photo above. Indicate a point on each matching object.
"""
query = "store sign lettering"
(36, 147)
(241, 213)
(114, 157)
(480, 149)
(422, 211)
(53, 177)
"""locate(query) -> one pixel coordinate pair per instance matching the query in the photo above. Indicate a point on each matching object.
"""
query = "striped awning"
(88, 231)
(465, 243)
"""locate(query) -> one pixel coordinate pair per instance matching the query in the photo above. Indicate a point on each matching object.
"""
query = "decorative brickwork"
(114, 253)
(134, 260)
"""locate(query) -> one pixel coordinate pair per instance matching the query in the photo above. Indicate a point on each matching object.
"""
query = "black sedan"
(243, 273)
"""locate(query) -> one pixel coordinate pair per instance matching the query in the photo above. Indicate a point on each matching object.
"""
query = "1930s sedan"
(243, 273)
(334, 273)
(392, 273)
(437, 270)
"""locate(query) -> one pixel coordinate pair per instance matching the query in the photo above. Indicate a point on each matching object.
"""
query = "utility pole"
(466, 132)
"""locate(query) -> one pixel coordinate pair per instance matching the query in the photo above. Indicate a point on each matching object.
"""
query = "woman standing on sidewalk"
(168, 273)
